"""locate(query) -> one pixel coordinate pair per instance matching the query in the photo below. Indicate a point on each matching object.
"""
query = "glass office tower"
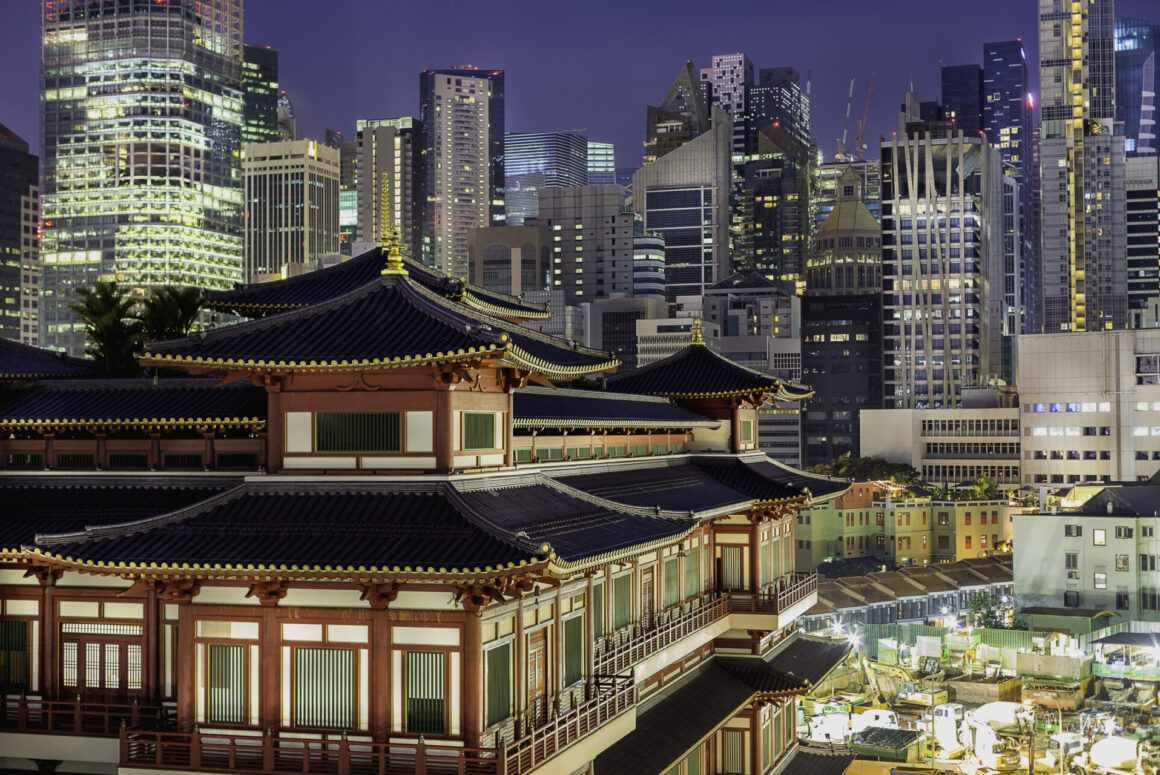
(1137, 78)
(536, 160)
(142, 109)
(260, 82)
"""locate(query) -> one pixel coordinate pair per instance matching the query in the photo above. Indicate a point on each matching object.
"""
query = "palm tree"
(112, 333)
(170, 312)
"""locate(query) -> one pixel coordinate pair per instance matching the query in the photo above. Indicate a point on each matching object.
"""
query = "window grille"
(425, 692)
(226, 684)
(358, 432)
(324, 688)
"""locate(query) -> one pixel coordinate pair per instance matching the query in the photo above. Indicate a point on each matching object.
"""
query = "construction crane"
(861, 125)
(845, 130)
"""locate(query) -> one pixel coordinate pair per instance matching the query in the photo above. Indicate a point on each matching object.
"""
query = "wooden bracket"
(268, 592)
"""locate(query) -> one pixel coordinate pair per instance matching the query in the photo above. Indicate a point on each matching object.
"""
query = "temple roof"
(738, 472)
(542, 407)
(125, 402)
(384, 526)
(388, 322)
(699, 372)
(683, 484)
(61, 504)
(23, 362)
(261, 299)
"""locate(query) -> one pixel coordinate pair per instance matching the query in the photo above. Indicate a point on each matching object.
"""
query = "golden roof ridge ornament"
(395, 264)
(697, 337)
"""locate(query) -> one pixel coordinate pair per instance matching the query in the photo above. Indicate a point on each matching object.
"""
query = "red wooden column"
(472, 715)
(735, 424)
(558, 664)
(151, 654)
(270, 684)
(380, 675)
(589, 637)
(509, 455)
(754, 556)
(444, 430)
(755, 737)
(49, 664)
(186, 687)
(275, 429)
(155, 449)
(521, 672)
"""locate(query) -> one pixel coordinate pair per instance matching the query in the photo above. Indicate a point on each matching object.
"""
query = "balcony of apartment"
(684, 629)
(579, 732)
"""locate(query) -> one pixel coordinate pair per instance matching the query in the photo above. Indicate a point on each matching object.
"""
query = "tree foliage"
(982, 489)
(866, 469)
(991, 612)
(170, 312)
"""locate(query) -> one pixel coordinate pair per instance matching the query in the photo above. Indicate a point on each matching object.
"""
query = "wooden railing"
(779, 597)
(614, 695)
(616, 659)
(274, 755)
(28, 714)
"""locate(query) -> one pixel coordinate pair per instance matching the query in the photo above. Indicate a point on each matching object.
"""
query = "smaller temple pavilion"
(377, 528)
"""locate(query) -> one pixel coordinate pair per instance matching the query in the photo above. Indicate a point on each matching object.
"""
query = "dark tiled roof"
(539, 407)
(697, 371)
(575, 529)
(763, 479)
(673, 485)
(56, 504)
(667, 731)
(762, 676)
(389, 320)
(133, 402)
(21, 362)
(274, 525)
(260, 299)
(1135, 500)
(750, 278)
(818, 763)
(809, 659)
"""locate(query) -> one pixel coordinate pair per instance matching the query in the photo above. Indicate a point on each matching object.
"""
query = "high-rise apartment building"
(778, 98)
(592, 241)
(18, 178)
(1142, 181)
(601, 163)
(1082, 252)
(682, 115)
(141, 112)
(941, 264)
(1137, 82)
(260, 83)
(841, 329)
(684, 196)
(31, 270)
(962, 97)
(387, 177)
(537, 160)
(291, 206)
(1007, 123)
(461, 111)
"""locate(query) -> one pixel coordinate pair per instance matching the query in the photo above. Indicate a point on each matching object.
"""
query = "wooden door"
(647, 587)
(100, 666)
(538, 677)
(732, 568)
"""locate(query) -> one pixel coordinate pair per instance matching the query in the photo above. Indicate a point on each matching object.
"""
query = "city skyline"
(335, 90)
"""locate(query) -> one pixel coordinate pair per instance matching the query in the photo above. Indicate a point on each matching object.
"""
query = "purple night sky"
(593, 65)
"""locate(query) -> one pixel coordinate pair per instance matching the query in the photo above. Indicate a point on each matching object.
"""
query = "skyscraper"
(1142, 181)
(141, 112)
(682, 115)
(538, 160)
(941, 264)
(1082, 251)
(962, 96)
(18, 174)
(684, 196)
(777, 98)
(461, 113)
(260, 83)
(1007, 123)
(729, 81)
(601, 164)
(1137, 79)
(291, 206)
(387, 178)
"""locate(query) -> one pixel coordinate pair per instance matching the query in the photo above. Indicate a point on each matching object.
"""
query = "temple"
(380, 527)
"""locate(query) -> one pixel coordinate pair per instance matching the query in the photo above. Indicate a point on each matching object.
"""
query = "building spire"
(697, 337)
(394, 255)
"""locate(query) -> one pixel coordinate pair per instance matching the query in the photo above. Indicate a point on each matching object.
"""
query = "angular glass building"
(962, 96)
(141, 115)
(535, 160)
(1137, 78)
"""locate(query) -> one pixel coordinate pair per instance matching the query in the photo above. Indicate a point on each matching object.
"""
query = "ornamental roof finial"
(697, 338)
(394, 255)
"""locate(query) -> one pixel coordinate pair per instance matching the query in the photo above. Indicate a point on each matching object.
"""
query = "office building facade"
(1142, 181)
(962, 97)
(728, 83)
(778, 98)
(1081, 159)
(601, 163)
(19, 170)
(260, 83)
(537, 160)
(387, 180)
(292, 207)
(166, 207)
(31, 270)
(941, 264)
(1137, 80)
(513, 260)
(461, 113)
(684, 196)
